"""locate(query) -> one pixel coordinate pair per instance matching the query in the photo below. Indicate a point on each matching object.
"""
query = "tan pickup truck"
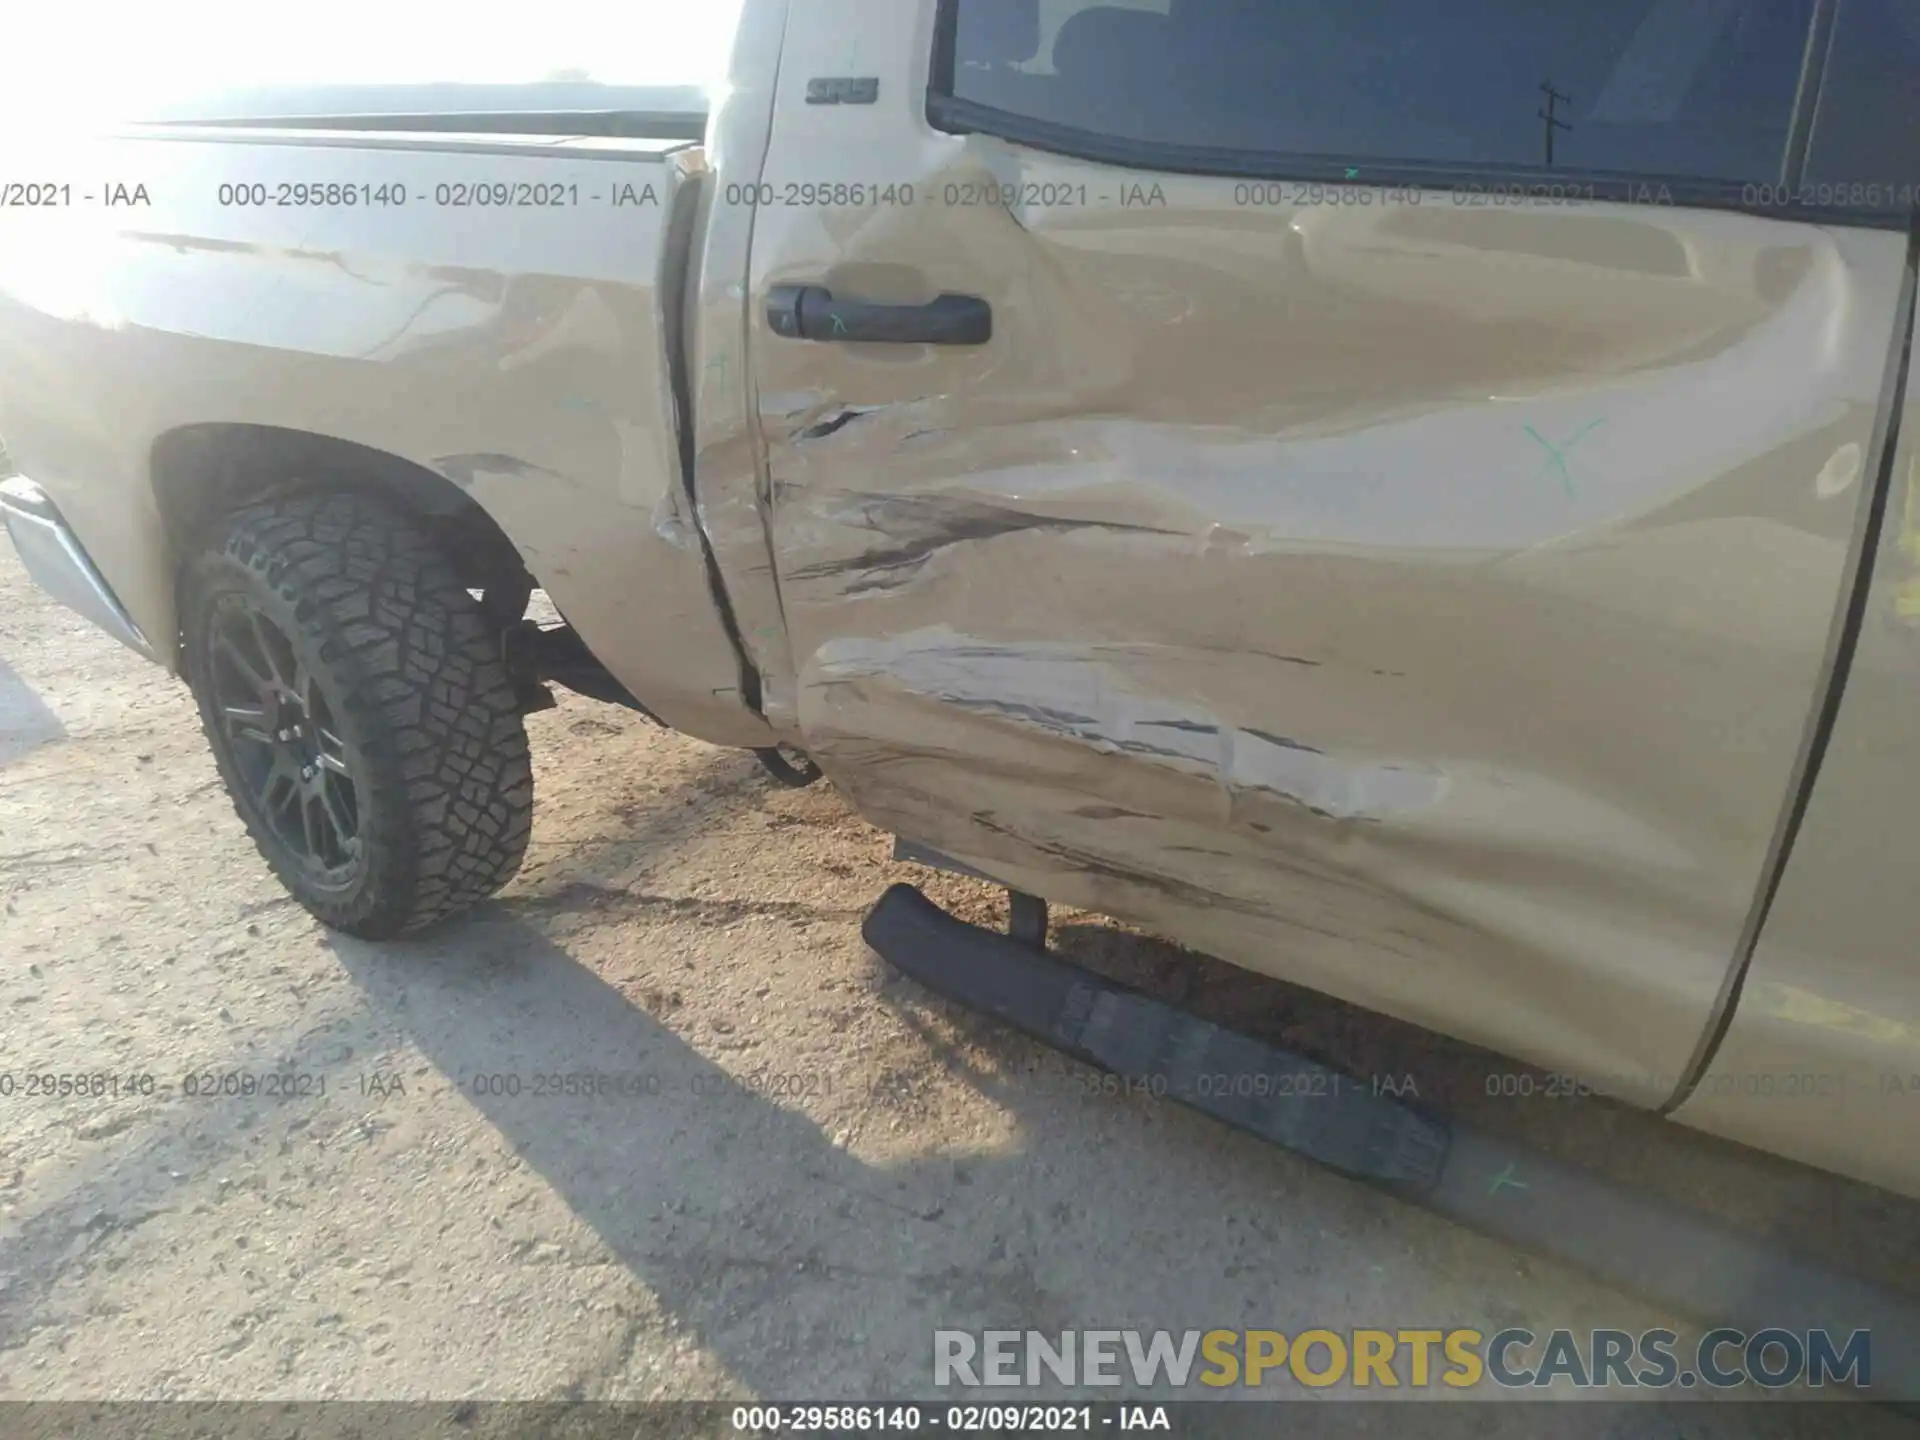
(1420, 501)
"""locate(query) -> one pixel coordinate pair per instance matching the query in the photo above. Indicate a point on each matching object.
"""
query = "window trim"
(949, 114)
(1813, 81)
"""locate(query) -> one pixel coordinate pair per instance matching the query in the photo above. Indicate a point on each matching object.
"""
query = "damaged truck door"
(1335, 554)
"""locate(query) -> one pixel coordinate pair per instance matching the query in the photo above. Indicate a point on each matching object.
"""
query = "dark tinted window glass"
(1868, 128)
(1700, 88)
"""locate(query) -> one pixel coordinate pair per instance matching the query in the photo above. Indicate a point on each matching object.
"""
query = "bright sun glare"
(120, 59)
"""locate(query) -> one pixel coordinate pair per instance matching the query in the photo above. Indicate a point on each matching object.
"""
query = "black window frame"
(949, 114)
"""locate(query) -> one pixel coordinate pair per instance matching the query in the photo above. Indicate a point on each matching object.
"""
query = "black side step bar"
(1677, 1257)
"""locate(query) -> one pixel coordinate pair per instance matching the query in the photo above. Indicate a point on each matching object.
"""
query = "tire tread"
(418, 668)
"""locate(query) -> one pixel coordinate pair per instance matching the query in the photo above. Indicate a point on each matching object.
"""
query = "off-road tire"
(412, 673)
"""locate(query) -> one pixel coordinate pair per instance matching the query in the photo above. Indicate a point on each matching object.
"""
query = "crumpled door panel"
(1420, 602)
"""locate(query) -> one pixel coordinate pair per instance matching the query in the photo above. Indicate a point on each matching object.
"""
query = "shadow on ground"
(25, 721)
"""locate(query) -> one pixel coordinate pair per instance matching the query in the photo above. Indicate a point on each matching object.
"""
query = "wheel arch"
(201, 471)
(633, 579)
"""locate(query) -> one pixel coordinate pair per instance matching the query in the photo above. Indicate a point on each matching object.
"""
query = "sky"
(118, 58)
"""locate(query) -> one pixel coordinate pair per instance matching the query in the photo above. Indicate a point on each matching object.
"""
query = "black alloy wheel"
(298, 770)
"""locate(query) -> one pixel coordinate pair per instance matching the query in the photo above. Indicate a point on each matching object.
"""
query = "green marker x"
(1557, 454)
(1505, 1181)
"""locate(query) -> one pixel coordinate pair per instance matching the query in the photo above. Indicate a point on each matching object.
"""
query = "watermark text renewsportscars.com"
(1402, 1358)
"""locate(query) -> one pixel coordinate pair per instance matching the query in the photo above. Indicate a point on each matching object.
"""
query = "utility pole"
(1554, 97)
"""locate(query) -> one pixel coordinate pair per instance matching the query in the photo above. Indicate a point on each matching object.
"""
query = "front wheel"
(358, 710)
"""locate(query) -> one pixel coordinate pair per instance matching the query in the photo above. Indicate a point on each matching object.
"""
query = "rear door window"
(1685, 88)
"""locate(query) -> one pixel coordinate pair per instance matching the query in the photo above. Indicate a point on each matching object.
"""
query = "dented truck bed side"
(524, 355)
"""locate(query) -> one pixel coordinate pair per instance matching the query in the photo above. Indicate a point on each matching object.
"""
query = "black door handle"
(809, 312)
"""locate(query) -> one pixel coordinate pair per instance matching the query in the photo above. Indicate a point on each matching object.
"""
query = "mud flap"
(1640, 1243)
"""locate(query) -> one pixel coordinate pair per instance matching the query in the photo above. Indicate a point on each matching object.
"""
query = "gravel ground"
(425, 1219)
